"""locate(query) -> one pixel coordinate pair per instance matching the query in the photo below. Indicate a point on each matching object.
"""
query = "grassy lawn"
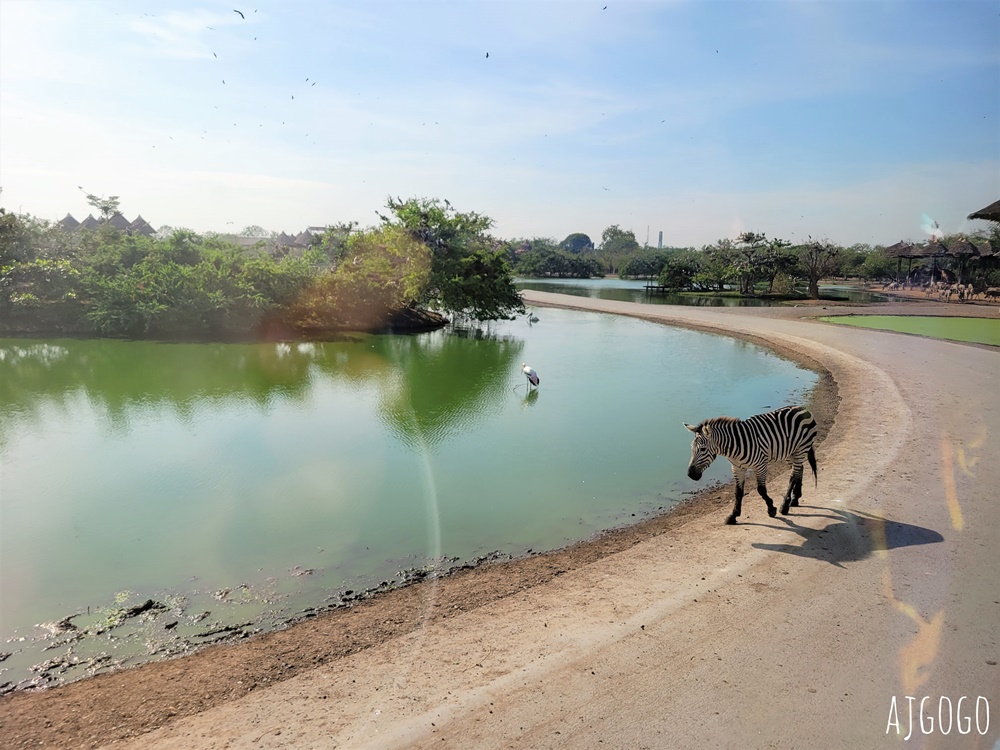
(973, 330)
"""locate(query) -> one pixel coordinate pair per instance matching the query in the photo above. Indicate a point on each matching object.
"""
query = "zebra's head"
(703, 450)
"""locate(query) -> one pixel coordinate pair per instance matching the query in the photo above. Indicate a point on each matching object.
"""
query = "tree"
(718, 266)
(384, 271)
(541, 257)
(617, 245)
(877, 265)
(852, 258)
(679, 270)
(255, 230)
(577, 243)
(750, 260)
(647, 264)
(817, 260)
(107, 207)
(469, 272)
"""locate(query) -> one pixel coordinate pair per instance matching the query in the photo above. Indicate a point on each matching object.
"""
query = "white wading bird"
(531, 375)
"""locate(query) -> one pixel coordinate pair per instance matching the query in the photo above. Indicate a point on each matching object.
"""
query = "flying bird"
(487, 54)
(241, 15)
(530, 374)
(215, 56)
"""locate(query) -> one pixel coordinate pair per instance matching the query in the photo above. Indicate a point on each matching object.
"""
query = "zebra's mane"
(719, 421)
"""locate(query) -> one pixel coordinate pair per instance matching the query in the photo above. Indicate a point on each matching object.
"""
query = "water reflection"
(447, 382)
(427, 386)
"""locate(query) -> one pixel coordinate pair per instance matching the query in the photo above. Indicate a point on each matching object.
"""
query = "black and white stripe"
(786, 434)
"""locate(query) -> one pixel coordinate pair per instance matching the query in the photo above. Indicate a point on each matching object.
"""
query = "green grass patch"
(972, 330)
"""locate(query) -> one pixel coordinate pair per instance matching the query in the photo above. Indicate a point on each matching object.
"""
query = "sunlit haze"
(843, 120)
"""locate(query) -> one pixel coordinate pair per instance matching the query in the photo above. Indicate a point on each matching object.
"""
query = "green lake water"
(971, 330)
(258, 482)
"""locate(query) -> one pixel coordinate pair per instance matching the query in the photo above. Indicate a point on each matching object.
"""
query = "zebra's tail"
(811, 455)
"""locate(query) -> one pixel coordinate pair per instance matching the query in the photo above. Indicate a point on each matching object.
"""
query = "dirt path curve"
(792, 632)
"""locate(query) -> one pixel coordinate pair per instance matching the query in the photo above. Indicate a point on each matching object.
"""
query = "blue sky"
(844, 119)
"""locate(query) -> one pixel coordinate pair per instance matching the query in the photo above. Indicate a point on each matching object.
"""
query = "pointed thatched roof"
(990, 213)
(930, 249)
(90, 222)
(962, 246)
(901, 249)
(985, 248)
(69, 223)
(141, 226)
(119, 222)
(302, 238)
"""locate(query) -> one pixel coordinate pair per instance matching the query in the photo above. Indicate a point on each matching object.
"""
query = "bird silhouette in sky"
(487, 54)
(241, 15)
(215, 56)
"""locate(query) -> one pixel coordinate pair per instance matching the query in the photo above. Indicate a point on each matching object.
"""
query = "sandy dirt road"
(793, 632)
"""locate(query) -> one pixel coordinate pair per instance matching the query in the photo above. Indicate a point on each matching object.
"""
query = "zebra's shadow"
(852, 537)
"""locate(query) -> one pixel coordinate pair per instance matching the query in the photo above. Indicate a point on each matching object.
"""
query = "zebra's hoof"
(795, 503)
(784, 510)
(772, 511)
(731, 521)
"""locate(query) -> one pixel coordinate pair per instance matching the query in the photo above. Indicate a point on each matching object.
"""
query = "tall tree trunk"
(814, 289)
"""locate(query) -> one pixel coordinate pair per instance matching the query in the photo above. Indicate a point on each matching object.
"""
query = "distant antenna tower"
(647, 235)
(659, 244)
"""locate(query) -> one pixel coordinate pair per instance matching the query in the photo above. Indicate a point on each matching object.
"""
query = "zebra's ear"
(691, 427)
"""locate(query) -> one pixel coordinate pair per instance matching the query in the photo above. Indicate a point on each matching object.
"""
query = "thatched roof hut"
(69, 223)
(990, 213)
(90, 222)
(141, 226)
(962, 246)
(119, 222)
(901, 249)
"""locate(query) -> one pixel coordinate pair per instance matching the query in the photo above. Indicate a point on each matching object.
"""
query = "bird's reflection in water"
(529, 399)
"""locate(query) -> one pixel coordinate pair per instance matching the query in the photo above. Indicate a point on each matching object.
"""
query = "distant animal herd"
(945, 291)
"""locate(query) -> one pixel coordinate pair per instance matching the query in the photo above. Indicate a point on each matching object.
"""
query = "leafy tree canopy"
(470, 274)
(577, 243)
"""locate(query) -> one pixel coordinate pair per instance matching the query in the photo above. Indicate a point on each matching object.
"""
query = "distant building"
(119, 222)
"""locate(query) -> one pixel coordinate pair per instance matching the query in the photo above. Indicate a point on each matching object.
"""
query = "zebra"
(786, 434)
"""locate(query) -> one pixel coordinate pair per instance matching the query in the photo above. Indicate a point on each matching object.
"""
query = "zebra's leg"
(740, 475)
(762, 490)
(794, 491)
(797, 490)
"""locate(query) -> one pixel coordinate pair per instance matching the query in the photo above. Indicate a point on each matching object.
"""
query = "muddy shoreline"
(124, 704)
